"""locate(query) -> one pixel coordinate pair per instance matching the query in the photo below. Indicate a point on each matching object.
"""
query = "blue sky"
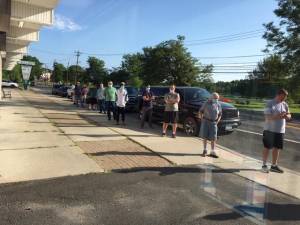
(126, 26)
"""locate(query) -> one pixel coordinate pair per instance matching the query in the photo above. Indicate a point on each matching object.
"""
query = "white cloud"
(65, 24)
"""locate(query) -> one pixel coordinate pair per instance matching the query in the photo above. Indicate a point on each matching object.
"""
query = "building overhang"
(20, 23)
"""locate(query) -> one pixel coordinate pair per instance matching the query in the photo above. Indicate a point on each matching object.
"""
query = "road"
(247, 139)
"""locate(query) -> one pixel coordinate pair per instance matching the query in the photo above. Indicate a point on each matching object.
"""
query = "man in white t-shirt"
(122, 99)
(276, 114)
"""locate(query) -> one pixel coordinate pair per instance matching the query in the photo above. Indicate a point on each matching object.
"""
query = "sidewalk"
(186, 151)
(32, 148)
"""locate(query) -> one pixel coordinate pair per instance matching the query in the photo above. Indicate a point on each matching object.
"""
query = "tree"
(72, 73)
(269, 75)
(283, 39)
(96, 71)
(132, 64)
(58, 72)
(118, 75)
(169, 62)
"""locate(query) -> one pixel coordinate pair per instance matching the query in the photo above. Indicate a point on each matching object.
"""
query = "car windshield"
(197, 94)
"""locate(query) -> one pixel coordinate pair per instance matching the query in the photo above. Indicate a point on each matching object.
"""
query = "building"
(20, 22)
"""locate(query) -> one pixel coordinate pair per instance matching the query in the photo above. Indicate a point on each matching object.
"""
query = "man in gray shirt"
(210, 114)
(171, 111)
(276, 114)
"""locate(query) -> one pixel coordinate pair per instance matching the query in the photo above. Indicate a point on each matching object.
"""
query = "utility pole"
(68, 72)
(78, 53)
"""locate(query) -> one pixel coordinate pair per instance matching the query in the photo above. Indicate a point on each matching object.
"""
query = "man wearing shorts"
(210, 114)
(171, 111)
(276, 114)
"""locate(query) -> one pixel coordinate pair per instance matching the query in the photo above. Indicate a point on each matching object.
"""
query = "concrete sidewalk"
(32, 148)
(187, 151)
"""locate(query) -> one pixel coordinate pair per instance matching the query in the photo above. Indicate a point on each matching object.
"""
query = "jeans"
(101, 105)
(120, 111)
(111, 108)
(146, 112)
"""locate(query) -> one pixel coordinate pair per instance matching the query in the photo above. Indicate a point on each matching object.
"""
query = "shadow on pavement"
(163, 171)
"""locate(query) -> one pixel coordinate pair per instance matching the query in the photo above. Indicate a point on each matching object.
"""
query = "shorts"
(272, 140)
(170, 116)
(209, 130)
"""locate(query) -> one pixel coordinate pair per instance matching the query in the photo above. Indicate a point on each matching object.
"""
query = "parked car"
(55, 88)
(11, 84)
(192, 98)
(63, 91)
(132, 104)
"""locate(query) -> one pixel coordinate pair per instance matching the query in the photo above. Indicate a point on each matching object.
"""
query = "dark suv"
(191, 101)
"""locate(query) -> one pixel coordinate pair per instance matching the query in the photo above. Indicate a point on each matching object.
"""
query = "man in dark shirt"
(147, 107)
(77, 93)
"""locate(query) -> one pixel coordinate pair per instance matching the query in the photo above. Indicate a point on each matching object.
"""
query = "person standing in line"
(276, 114)
(122, 99)
(147, 106)
(210, 114)
(77, 93)
(101, 98)
(84, 92)
(110, 100)
(171, 111)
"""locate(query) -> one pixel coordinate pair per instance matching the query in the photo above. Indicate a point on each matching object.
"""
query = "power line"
(77, 54)
(229, 57)
(228, 36)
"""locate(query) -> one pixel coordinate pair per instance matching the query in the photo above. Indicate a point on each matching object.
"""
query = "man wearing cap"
(276, 114)
(147, 106)
(210, 114)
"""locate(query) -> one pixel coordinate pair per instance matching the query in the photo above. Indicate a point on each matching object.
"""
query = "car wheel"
(190, 126)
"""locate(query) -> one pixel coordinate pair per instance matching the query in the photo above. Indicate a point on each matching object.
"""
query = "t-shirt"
(147, 103)
(77, 90)
(171, 107)
(110, 94)
(211, 110)
(275, 108)
(122, 97)
(100, 93)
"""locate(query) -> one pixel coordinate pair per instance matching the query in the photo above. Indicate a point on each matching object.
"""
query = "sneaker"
(163, 134)
(276, 169)
(204, 153)
(265, 169)
(173, 135)
(213, 155)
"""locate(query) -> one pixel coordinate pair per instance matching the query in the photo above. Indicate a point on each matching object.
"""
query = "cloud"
(64, 23)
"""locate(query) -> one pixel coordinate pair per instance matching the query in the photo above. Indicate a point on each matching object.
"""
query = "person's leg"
(117, 116)
(108, 106)
(123, 114)
(165, 127)
(174, 125)
(204, 146)
(143, 117)
(275, 155)
(265, 156)
(149, 112)
(114, 110)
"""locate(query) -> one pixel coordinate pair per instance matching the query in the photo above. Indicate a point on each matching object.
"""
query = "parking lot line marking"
(251, 132)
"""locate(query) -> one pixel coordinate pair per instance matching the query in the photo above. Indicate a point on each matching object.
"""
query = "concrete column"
(0, 77)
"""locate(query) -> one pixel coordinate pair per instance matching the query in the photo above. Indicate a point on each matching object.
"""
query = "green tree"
(133, 65)
(58, 72)
(74, 71)
(118, 75)
(283, 39)
(169, 62)
(96, 71)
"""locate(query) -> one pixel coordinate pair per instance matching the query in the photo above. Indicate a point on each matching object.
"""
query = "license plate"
(228, 127)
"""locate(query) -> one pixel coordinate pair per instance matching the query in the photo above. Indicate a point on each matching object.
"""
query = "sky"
(109, 28)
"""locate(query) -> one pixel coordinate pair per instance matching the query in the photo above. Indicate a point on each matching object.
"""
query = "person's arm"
(166, 98)
(220, 114)
(201, 111)
(288, 115)
(177, 100)
(270, 116)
